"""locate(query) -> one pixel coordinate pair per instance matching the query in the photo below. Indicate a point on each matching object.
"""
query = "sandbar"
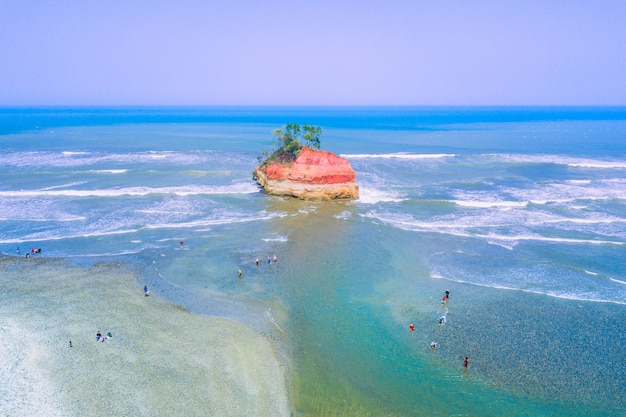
(161, 359)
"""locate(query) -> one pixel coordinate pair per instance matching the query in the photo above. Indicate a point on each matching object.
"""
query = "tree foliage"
(288, 141)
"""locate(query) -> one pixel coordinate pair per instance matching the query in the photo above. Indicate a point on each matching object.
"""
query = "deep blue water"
(519, 212)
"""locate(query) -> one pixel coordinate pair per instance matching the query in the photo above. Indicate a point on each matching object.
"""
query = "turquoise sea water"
(519, 212)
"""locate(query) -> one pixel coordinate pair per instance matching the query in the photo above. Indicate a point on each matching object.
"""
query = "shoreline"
(162, 359)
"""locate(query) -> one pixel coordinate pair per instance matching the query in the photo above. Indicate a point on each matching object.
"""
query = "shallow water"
(519, 213)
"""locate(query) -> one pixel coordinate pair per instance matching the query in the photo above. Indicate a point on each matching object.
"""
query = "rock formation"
(314, 175)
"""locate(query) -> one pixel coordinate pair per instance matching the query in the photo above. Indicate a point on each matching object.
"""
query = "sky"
(316, 52)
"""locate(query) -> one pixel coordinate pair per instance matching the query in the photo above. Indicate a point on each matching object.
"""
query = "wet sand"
(161, 359)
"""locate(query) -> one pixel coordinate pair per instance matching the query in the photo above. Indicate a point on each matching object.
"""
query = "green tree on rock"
(312, 136)
(288, 142)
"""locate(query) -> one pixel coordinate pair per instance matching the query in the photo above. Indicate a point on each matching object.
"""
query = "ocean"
(519, 212)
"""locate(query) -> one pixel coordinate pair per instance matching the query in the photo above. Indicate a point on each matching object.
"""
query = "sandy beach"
(161, 360)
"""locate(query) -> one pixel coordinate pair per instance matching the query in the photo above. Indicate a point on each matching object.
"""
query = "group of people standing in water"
(442, 321)
(270, 260)
(32, 251)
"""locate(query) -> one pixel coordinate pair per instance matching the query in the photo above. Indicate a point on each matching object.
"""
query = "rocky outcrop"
(314, 175)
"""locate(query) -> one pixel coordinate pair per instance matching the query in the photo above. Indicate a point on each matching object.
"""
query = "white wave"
(546, 193)
(486, 204)
(375, 195)
(98, 255)
(54, 236)
(510, 246)
(45, 238)
(563, 160)
(61, 217)
(70, 153)
(590, 273)
(607, 220)
(399, 155)
(211, 222)
(307, 210)
(516, 238)
(76, 159)
(240, 188)
(343, 215)
(564, 295)
(617, 280)
(71, 184)
(109, 171)
(276, 239)
(462, 227)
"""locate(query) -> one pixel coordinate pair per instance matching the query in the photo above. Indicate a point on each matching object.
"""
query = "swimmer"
(182, 243)
(433, 345)
(466, 362)
(269, 260)
(447, 294)
(256, 261)
(275, 259)
(239, 273)
(443, 299)
(412, 327)
(18, 250)
(146, 291)
(71, 344)
(442, 320)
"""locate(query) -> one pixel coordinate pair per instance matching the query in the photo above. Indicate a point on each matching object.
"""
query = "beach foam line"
(74, 153)
(460, 229)
(276, 239)
(65, 218)
(77, 159)
(68, 237)
(193, 224)
(70, 184)
(213, 222)
(565, 296)
(561, 160)
(399, 155)
(108, 171)
(189, 190)
(487, 204)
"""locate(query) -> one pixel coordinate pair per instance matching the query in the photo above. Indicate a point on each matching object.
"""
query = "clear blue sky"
(317, 52)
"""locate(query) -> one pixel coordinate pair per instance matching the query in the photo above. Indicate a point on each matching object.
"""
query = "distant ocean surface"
(519, 212)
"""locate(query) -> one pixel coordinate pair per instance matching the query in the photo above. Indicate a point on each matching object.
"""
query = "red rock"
(314, 175)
